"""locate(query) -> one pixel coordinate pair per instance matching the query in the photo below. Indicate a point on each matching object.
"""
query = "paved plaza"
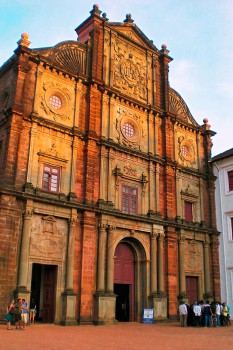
(133, 336)
(124, 336)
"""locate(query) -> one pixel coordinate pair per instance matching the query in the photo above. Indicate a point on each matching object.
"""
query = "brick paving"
(124, 336)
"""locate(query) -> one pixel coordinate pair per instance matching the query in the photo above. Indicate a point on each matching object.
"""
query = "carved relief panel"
(193, 259)
(130, 127)
(186, 150)
(56, 99)
(48, 237)
(130, 70)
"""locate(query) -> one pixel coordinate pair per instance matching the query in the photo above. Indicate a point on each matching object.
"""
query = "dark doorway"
(124, 283)
(122, 302)
(43, 287)
(192, 289)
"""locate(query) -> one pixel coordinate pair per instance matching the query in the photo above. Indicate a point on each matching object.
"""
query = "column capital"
(182, 238)
(154, 235)
(72, 221)
(161, 235)
(27, 213)
(111, 228)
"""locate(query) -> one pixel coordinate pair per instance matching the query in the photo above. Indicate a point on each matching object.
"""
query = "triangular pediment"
(134, 33)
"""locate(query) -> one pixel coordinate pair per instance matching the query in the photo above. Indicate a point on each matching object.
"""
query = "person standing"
(32, 311)
(18, 318)
(207, 314)
(197, 314)
(10, 314)
(24, 315)
(224, 314)
(183, 314)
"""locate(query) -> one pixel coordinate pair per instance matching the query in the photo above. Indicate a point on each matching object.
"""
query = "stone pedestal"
(68, 309)
(159, 304)
(104, 308)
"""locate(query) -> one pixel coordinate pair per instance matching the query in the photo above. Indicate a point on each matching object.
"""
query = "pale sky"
(198, 33)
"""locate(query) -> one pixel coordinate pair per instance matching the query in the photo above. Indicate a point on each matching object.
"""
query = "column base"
(182, 297)
(159, 304)
(208, 296)
(68, 308)
(104, 308)
(22, 293)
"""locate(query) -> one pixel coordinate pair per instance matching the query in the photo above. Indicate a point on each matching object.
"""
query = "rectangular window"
(188, 211)
(230, 180)
(51, 176)
(129, 200)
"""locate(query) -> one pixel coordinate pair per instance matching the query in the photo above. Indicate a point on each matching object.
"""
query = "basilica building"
(106, 187)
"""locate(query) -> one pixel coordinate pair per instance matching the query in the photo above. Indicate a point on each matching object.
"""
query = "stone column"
(153, 264)
(160, 263)
(152, 190)
(157, 187)
(110, 260)
(178, 197)
(69, 296)
(101, 258)
(182, 281)
(105, 301)
(158, 297)
(207, 266)
(70, 256)
(24, 253)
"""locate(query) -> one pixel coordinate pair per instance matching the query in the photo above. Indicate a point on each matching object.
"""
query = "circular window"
(55, 102)
(128, 130)
(185, 151)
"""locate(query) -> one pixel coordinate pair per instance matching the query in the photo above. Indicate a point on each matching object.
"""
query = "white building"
(223, 170)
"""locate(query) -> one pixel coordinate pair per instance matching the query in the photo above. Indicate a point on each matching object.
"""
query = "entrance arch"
(124, 282)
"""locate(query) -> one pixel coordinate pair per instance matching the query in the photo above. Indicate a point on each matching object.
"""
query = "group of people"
(19, 313)
(200, 314)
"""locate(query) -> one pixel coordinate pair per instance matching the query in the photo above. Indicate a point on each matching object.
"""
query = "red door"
(192, 289)
(50, 275)
(124, 282)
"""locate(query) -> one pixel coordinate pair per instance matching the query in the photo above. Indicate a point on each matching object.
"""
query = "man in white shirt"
(197, 314)
(183, 314)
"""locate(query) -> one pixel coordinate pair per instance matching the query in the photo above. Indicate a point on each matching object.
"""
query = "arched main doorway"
(124, 282)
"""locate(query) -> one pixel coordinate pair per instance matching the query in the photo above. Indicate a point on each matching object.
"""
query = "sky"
(198, 33)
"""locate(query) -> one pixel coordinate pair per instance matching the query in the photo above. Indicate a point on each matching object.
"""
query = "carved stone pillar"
(110, 261)
(105, 301)
(152, 190)
(157, 187)
(207, 267)
(101, 258)
(24, 253)
(158, 297)
(160, 263)
(70, 256)
(153, 264)
(178, 197)
(69, 297)
(182, 282)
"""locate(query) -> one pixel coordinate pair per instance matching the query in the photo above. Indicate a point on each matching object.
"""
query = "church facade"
(106, 190)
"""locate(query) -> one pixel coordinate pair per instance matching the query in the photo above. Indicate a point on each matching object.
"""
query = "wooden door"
(192, 289)
(49, 288)
(124, 281)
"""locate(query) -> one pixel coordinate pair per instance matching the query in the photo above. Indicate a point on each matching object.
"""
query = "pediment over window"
(179, 107)
(68, 55)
